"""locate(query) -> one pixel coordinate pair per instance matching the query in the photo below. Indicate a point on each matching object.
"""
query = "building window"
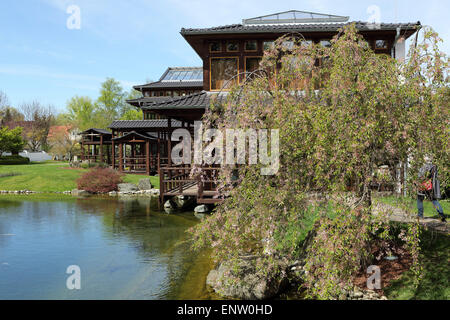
(325, 43)
(222, 70)
(147, 94)
(215, 46)
(267, 45)
(251, 45)
(232, 46)
(289, 45)
(306, 43)
(381, 44)
(252, 63)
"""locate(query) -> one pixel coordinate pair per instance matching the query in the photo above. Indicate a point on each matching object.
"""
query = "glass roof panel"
(295, 16)
(184, 75)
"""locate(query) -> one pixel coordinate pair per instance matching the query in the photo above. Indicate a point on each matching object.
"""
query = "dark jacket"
(430, 171)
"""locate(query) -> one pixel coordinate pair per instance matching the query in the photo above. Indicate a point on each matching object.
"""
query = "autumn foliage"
(99, 180)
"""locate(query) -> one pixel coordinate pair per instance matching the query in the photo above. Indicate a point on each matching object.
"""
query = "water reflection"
(125, 249)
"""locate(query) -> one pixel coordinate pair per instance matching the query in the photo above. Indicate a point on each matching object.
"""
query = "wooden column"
(101, 148)
(147, 156)
(82, 151)
(158, 152)
(113, 154)
(169, 142)
(120, 157)
(108, 153)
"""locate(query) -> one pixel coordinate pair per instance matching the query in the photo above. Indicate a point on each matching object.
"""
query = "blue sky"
(136, 40)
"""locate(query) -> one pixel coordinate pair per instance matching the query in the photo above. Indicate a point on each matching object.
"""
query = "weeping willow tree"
(342, 111)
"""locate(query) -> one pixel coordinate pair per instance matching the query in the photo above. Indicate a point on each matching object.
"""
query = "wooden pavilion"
(98, 143)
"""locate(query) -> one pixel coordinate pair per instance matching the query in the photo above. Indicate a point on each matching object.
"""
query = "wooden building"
(96, 145)
(182, 95)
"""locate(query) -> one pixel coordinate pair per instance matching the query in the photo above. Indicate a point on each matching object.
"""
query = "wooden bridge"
(177, 180)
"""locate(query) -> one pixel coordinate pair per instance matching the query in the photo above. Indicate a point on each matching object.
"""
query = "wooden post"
(120, 157)
(82, 150)
(158, 151)
(113, 154)
(169, 142)
(147, 156)
(101, 148)
(108, 153)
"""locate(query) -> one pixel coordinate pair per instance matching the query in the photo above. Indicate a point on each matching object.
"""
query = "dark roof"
(177, 77)
(101, 131)
(138, 101)
(294, 27)
(199, 100)
(143, 124)
(171, 84)
(142, 135)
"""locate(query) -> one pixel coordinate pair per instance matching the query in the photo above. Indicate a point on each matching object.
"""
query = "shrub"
(87, 165)
(9, 160)
(99, 180)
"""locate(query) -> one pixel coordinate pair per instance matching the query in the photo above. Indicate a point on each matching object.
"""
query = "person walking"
(430, 188)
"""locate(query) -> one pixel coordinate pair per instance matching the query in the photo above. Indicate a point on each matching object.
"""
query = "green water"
(125, 250)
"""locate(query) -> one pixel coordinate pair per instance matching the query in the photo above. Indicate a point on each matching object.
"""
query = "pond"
(124, 248)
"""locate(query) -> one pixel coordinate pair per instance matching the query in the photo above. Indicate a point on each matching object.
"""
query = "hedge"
(7, 160)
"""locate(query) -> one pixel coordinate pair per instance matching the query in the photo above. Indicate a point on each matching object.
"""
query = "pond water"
(125, 250)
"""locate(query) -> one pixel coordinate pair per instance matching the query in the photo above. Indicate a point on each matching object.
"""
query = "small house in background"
(62, 141)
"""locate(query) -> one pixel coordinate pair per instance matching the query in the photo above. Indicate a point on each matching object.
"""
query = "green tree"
(342, 112)
(82, 112)
(11, 140)
(8, 114)
(41, 118)
(111, 100)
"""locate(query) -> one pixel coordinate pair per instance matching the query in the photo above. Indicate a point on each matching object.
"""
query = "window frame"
(220, 46)
(210, 69)
(245, 62)
(245, 46)
(232, 41)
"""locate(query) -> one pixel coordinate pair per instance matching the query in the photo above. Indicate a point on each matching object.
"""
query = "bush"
(87, 165)
(9, 160)
(99, 180)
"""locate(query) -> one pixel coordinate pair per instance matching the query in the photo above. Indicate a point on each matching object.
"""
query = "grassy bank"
(435, 284)
(49, 177)
(411, 204)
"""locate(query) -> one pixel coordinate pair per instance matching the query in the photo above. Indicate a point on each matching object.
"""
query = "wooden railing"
(175, 180)
(207, 185)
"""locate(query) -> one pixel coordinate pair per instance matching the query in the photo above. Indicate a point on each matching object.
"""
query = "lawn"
(411, 204)
(49, 177)
(435, 284)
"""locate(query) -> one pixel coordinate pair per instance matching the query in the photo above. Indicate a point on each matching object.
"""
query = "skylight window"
(183, 74)
(294, 16)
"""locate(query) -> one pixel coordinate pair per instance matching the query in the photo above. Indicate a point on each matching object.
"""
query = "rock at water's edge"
(249, 284)
(170, 207)
(203, 208)
(145, 184)
(127, 187)
(76, 192)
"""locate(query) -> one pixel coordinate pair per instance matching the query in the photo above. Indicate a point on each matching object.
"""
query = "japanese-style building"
(182, 95)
